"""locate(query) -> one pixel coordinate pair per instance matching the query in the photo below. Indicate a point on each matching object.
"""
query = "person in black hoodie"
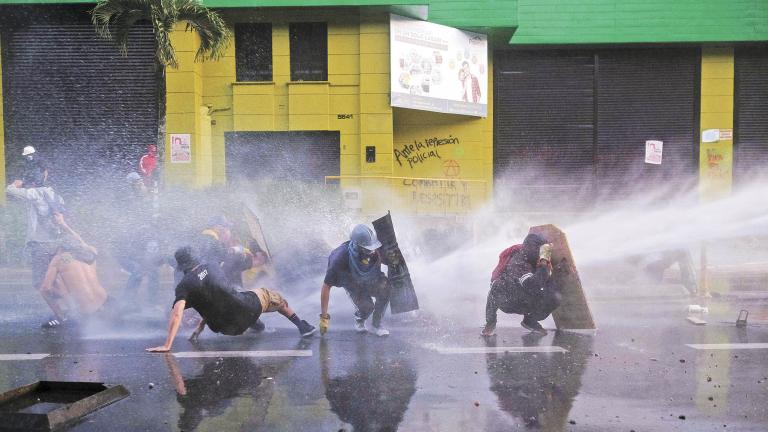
(524, 286)
(224, 308)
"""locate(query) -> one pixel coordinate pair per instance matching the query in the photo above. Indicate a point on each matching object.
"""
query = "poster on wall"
(181, 148)
(653, 152)
(438, 68)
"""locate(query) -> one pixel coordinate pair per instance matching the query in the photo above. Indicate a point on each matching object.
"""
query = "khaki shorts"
(270, 300)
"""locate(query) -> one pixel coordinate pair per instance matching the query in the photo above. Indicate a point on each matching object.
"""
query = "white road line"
(275, 353)
(498, 350)
(13, 357)
(729, 346)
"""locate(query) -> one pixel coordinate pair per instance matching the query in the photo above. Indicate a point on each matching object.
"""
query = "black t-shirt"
(339, 274)
(225, 309)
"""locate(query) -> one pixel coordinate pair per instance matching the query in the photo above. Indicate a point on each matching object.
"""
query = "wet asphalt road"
(634, 373)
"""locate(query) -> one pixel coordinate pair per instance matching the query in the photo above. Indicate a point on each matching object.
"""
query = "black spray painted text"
(420, 151)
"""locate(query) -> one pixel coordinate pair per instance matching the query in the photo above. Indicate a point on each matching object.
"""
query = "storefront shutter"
(86, 108)
(751, 114)
(543, 129)
(646, 94)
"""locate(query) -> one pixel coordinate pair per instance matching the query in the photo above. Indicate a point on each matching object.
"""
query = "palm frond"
(113, 19)
(214, 34)
(106, 12)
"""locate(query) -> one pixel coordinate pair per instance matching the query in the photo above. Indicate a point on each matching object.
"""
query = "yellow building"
(208, 102)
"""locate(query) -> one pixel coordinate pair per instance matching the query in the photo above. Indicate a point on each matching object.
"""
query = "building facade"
(576, 89)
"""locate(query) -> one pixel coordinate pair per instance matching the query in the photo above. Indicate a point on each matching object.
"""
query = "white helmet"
(365, 237)
(28, 150)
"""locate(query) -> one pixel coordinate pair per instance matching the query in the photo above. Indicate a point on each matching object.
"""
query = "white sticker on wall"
(653, 151)
(710, 135)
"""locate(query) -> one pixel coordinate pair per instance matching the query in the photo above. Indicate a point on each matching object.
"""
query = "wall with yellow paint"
(354, 101)
(716, 158)
(184, 91)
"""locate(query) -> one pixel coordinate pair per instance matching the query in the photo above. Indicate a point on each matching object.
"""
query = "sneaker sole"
(542, 331)
(309, 333)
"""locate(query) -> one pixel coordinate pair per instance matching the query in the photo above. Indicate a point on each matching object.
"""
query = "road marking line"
(498, 350)
(729, 346)
(274, 353)
(11, 357)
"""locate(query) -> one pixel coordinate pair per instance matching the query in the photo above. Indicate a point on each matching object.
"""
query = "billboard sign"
(438, 68)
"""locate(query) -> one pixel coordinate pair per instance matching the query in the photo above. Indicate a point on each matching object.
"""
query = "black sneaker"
(306, 329)
(258, 326)
(52, 323)
(533, 326)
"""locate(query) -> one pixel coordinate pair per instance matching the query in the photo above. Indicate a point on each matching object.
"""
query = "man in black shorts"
(223, 308)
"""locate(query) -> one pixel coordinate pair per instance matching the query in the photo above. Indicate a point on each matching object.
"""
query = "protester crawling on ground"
(521, 284)
(217, 246)
(223, 308)
(356, 266)
(71, 286)
(43, 231)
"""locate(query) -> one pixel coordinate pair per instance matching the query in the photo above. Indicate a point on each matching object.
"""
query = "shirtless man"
(71, 280)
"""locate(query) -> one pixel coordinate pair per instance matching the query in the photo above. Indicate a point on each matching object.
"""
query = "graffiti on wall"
(447, 195)
(419, 152)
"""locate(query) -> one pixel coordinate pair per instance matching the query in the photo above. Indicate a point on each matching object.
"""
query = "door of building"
(301, 156)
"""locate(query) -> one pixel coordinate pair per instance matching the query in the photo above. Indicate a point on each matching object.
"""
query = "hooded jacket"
(521, 269)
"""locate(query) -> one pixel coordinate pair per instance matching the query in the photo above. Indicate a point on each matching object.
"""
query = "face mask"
(29, 157)
(365, 255)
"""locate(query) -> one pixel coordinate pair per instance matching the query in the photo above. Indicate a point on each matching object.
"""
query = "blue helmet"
(365, 237)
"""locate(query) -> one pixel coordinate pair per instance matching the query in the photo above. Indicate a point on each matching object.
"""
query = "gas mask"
(365, 255)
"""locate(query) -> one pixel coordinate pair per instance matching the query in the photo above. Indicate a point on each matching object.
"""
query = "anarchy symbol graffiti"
(451, 168)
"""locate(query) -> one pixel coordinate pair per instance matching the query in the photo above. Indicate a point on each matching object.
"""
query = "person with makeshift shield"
(224, 308)
(522, 284)
(356, 266)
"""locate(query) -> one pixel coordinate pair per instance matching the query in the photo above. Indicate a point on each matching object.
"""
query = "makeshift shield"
(253, 233)
(403, 296)
(573, 312)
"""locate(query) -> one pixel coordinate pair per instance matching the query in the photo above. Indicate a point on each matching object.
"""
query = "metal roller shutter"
(303, 156)
(570, 126)
(751, 112)
(543, 128)
(646, 94)
(87, 109)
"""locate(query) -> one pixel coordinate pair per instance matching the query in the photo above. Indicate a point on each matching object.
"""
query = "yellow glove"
(325, 321)
(545, 252)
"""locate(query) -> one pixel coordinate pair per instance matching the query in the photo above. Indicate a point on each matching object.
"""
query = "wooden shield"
(574, 312)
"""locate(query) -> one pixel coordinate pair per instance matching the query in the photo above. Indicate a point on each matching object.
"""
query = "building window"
(253, 51)
(309, 51)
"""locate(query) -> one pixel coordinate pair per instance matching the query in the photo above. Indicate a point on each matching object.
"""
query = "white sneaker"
(379, 331)
(360, 326)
